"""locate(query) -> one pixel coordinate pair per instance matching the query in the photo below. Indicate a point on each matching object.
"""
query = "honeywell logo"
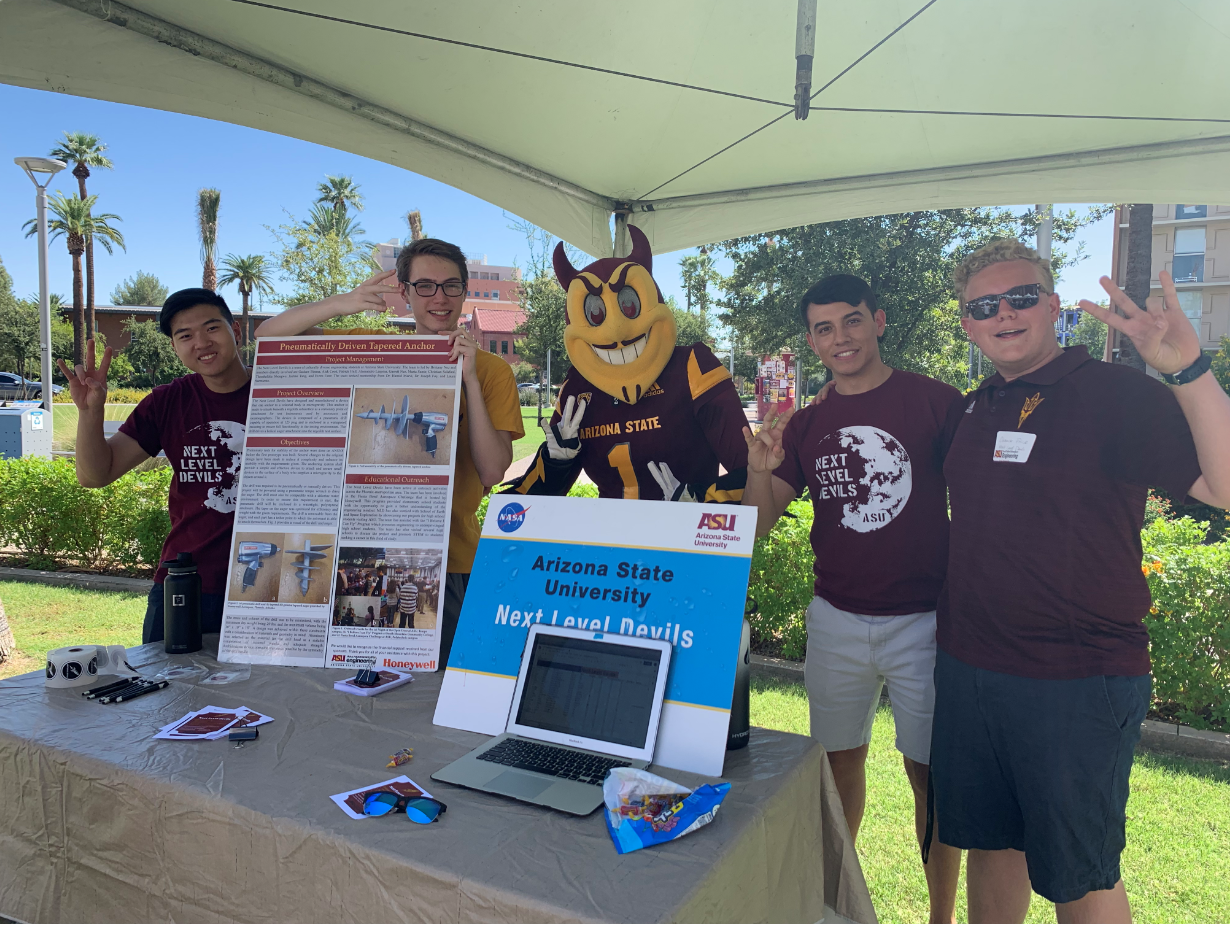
(424, 666)
(717, 522)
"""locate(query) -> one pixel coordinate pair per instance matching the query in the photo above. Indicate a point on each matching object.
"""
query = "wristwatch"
(1195, 371)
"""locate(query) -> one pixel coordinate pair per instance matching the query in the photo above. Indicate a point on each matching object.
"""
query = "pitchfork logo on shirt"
(212, 455)
(868, 472)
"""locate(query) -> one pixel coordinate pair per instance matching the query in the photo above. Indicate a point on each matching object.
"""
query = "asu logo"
(338, 657)
(717, 522)
(511, 518)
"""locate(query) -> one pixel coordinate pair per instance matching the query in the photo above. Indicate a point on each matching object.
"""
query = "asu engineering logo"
(338, 657)
(511, 518)
(717, 522)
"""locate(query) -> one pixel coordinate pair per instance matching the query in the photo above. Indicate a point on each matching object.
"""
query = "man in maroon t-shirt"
(198, 421)
(871, 457)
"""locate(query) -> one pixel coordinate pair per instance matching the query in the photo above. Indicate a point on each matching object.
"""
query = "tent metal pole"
(118, 14)
(804, 52)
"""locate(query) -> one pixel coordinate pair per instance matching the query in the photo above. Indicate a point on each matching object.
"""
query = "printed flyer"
(342, 520)
(640, 568)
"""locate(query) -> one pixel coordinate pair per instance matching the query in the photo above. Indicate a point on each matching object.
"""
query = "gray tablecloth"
(100, 822)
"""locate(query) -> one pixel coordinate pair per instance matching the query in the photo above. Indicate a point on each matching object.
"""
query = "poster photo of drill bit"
(308, 566)
(256, 577)
(401, 427)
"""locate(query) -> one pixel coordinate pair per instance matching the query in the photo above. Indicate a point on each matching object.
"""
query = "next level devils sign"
(638, 568)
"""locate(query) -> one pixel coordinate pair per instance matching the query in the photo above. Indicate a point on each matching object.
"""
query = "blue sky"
(162, 159)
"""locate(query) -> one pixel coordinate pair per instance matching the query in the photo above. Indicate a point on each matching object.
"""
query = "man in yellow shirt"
(431, 276)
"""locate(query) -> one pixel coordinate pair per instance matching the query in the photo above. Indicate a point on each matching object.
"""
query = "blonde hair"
(999, 250)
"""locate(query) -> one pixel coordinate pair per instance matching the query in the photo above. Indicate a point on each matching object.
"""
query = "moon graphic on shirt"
(226, 440)
(877, 474)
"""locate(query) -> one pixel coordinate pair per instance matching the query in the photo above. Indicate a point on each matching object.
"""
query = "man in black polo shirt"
(1042, 674)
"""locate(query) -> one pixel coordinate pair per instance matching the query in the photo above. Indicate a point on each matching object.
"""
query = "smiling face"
(845, 337)
(438, 313)
(203, 340)
(620, 334)
(1016, 341)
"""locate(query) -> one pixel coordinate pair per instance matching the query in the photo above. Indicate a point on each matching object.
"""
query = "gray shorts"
(850, 657)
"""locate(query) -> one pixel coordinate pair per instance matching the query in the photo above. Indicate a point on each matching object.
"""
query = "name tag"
(1012, 446)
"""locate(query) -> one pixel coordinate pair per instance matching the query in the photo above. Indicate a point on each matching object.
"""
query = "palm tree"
(207, 201)
(75, 220)
(324, 221)
(84, 151)
(340, 192)
(252, 275)
(414, 221)
(1138, 272)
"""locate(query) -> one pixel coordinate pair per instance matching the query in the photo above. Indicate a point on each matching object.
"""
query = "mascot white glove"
(672, 488)
(563, 444)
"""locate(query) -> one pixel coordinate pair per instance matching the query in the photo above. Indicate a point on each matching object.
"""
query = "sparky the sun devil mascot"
(641, 417)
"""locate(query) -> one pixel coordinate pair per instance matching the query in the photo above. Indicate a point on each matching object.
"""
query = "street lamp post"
(48, 167)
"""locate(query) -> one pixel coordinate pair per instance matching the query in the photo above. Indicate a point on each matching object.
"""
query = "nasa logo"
(512, 517)
(339, 658)
(717, 522)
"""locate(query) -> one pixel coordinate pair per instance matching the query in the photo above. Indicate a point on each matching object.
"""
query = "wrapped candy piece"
(643, 809)
(400, 757)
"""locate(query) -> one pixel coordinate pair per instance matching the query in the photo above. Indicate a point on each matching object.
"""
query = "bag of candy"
(643, 809)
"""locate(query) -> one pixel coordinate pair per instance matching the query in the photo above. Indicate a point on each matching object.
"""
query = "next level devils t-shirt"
(202, 433)
(874, 465)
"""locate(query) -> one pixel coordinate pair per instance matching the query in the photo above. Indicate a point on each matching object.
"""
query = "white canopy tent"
(679, 114)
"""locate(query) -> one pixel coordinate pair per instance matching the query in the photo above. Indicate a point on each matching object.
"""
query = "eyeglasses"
(427, 287)
(1018, 297)
(417, 809)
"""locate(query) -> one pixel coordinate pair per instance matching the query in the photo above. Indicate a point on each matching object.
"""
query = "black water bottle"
(181, 605)
(739, 731)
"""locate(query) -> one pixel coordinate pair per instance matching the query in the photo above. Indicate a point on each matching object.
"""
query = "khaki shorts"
(850, 657)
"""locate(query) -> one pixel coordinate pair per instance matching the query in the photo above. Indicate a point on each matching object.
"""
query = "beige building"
(1192, 243)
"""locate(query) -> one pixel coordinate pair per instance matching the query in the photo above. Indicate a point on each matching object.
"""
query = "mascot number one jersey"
(642, 417)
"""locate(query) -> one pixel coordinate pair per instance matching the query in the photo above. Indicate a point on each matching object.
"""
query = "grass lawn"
(529, 444)
(64, 423)
(1177, 862)
(1176, 865)
(44, 618)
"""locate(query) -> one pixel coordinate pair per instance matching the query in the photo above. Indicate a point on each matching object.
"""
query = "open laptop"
(585, 702)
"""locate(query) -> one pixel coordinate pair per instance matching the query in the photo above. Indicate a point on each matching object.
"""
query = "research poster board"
(640, 568)
(345, 498)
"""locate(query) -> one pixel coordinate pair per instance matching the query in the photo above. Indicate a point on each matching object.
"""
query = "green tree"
(690, 326)
(74, 219)
(323, 221)
(207, 203)
(6, 288)
(545, 305)
(19, 337)
(151, 354)
(1092, 333)
(142, 289)
(338, 193)
(250, 274)
(84, 151)
(907, 259)
(1221, 364)
(701, 281)
(320, 265)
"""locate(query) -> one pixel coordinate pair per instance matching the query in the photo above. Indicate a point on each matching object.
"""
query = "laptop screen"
(596, 690)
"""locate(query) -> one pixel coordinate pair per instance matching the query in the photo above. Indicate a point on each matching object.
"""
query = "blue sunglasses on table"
(417, 809)
(1018, 297)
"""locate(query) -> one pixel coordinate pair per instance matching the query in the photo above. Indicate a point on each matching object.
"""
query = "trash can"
(25, 430)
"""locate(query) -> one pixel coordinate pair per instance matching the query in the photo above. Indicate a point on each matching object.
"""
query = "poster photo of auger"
(392, 589)
(401, 427)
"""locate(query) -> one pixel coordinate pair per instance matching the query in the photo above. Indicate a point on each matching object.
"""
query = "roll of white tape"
(78, 666)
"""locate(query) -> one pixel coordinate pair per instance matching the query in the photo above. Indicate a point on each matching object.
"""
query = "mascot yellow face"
(619, 333)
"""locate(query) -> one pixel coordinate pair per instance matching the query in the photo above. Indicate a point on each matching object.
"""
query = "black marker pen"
(156, 686)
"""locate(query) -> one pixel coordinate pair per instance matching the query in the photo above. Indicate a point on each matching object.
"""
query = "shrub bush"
(780, 585)
(53, 520)
(1189, 623)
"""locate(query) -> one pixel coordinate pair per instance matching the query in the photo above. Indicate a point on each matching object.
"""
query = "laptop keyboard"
(547, 759)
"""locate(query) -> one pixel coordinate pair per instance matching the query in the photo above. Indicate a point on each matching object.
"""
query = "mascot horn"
(642, 417)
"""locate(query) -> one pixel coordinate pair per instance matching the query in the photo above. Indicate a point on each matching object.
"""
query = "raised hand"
(1163, 336)
(87, 384)
(562, 440)
(369, 295)
(764, 448)
(672, 488)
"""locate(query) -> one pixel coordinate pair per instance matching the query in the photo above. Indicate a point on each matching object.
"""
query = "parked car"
(10, 388)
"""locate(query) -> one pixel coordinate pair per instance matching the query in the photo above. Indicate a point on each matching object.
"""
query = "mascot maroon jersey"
(642, 417)
(690, 418)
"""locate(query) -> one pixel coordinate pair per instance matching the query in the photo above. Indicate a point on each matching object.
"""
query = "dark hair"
(430, 247)
(190, 298)
(839, 287)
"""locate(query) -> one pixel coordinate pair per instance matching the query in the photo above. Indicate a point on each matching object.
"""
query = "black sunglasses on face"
(427, 287)
(1018, 297)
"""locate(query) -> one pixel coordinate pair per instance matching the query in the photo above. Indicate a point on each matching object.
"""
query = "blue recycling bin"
(25, 430)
